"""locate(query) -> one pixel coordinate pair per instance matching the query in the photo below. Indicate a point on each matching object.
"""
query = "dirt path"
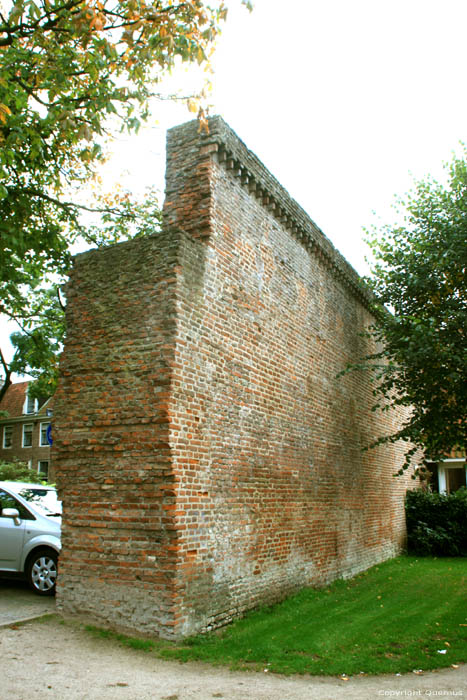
(52, 659)
(18, 603)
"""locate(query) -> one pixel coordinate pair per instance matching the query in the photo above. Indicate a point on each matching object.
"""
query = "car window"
(9, 501)
(45, 500)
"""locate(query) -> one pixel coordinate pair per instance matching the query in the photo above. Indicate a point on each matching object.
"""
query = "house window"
(451, 475)
(27, 435)
(7, 436)
(44, 442)
(43, 468)
(455, 479)
(30, 405)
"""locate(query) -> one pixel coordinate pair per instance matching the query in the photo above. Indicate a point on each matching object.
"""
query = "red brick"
(243, 478)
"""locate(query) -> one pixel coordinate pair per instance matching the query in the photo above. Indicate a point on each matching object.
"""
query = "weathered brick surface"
(208, 457)
(111, 424)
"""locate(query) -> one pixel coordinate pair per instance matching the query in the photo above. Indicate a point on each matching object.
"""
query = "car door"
(11, 533)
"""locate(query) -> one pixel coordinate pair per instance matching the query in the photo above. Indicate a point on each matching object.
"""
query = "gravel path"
(52, 659)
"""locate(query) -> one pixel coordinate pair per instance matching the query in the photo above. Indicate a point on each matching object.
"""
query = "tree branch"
(72, 205)
(7, 380)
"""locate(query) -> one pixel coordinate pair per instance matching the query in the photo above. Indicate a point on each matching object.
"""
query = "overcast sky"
(342, 101)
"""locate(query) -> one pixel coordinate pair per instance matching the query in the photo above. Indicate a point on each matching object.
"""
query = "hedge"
(436, 523)
(15, 470)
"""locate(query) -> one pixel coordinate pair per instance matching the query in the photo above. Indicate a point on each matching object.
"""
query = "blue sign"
(49, 434)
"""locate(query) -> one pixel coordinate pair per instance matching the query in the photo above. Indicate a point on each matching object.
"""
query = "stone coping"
(231, 152)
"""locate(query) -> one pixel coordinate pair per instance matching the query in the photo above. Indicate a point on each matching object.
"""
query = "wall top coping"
(231, 152)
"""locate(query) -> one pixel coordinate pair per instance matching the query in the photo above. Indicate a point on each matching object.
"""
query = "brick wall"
(208, 457)
(111, 426)
(23, 426)
(33, 455)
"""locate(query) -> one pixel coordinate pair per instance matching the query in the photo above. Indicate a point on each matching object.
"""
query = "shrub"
(17, 471)
(436, 523)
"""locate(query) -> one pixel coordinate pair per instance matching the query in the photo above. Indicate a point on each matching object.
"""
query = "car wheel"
(41, 571)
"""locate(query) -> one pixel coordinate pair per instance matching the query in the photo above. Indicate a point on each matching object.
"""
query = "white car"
(30, 521)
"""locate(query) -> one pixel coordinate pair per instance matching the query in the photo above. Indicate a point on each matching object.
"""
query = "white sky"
(342, 101)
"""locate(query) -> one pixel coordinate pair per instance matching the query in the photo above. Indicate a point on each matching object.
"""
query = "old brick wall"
(111, 448)
(274, 491)
(208, 456)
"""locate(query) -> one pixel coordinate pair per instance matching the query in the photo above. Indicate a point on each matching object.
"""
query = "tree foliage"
(419, 282)
(17, 471)
(71, 71)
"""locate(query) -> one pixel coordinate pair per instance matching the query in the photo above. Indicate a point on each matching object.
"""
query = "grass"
(394, 618)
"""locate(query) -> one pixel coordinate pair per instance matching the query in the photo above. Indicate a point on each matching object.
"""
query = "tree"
(419, 283)
(17, 471)
(70, 71)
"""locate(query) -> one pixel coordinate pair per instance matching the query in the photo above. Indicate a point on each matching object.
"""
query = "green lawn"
(394, 618)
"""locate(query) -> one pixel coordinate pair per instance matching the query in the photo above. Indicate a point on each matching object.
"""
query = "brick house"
(207, 454)
(24, 432)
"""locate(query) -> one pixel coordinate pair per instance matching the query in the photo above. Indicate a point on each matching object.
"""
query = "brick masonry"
(208, 457)
(13, 419)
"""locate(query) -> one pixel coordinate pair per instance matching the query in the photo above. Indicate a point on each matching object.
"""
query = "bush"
(17, 471)
(436, 523)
